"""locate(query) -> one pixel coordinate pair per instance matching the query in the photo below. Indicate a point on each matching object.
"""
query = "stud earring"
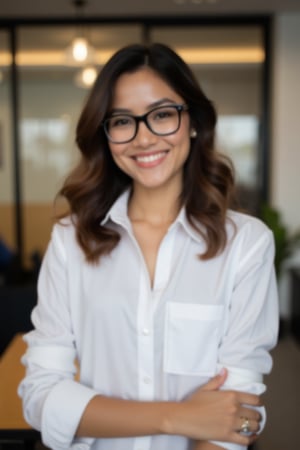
(193, 133)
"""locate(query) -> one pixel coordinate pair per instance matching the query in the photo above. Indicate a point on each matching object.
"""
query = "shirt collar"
(185, 224)
(118, 211)
(118, 214)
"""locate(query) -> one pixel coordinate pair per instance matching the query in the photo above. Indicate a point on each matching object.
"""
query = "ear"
(193, 133)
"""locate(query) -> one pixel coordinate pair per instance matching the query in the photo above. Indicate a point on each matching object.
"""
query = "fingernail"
(222, 371)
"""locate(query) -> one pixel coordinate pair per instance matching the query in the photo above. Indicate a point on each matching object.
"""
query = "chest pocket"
(192, 336)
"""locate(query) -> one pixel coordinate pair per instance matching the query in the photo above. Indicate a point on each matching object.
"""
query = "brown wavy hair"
(95, 184)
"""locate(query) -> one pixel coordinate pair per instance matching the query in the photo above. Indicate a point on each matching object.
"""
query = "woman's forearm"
(109, 417)
(113, 417)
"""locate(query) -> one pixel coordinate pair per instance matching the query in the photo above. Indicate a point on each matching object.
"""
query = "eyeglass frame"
(143, 118)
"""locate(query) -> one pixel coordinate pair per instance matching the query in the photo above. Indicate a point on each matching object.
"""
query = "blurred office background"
(246, 56)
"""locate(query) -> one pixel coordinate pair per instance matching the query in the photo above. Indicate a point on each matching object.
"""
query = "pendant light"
(80, 51)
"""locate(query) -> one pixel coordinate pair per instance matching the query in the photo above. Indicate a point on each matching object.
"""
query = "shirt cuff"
(247, 381)
(65, 405)
(243, 379)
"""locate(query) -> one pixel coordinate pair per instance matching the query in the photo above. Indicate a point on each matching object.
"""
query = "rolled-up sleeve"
(53, 402)
(72, 399)
(252, 328)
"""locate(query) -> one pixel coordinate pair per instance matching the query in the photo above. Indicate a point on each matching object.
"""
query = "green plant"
(285, 243)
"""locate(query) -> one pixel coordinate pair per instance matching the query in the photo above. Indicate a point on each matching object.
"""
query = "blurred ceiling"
(99, 9)
(222, 46)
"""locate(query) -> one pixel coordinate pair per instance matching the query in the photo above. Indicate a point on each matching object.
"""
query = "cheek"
(115, 154)
(183, 136)
(116, 151)
(182, 141)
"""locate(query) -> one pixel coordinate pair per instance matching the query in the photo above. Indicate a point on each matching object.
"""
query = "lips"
(150, 158)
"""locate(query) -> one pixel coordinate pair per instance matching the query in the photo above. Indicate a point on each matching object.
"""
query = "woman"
(164, 295)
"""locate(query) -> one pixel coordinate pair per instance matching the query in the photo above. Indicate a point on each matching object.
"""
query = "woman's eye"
(120, 122)
(163, 114)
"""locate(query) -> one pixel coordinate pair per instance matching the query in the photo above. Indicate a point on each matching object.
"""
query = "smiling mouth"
(150, 158)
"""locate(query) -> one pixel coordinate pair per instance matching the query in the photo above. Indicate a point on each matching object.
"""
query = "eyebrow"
(153, 105)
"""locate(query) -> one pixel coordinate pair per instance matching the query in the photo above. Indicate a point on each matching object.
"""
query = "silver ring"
(245, 428)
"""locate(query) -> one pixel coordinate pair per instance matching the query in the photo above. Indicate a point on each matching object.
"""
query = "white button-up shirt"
(138, 342)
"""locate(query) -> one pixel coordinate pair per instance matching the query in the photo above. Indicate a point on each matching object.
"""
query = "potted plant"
(285, 243)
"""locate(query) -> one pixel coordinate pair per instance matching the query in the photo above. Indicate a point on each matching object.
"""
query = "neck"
(152, 206)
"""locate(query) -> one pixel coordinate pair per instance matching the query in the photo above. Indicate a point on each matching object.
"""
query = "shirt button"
(146, 331)
(147, 380)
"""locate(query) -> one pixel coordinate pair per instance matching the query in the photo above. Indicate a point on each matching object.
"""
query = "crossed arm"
(209, 414)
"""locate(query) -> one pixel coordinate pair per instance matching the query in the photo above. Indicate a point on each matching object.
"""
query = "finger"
(252, 414)
(216, 382)
(249, 399)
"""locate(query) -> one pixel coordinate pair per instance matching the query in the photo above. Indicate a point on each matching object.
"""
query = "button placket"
(145, 340)
(147, 304)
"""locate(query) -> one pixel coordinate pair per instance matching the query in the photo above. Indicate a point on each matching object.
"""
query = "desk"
(12, 423)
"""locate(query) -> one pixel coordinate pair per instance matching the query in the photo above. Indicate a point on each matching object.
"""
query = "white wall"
(285, 188)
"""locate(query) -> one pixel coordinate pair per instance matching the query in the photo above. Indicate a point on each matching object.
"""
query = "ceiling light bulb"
(80, 49)
(89, 75)
(86, 77)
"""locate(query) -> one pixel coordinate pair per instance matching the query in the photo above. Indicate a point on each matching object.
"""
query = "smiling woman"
(140, 85)
(158, 139)
(165, 295)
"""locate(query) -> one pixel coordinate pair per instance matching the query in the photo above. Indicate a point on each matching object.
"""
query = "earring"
(193, 133)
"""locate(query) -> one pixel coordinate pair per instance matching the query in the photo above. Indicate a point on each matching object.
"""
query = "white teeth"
(149, 158)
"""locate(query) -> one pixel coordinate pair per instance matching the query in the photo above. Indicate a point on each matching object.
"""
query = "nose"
(144, 136)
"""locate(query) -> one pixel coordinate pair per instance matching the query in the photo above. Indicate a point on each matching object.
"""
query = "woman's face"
(151, 161)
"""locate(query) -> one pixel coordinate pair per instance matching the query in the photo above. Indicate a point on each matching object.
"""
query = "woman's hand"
(211, 414)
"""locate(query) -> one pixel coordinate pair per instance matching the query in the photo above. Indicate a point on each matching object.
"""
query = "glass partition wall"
(228, 60)
(53, 88)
